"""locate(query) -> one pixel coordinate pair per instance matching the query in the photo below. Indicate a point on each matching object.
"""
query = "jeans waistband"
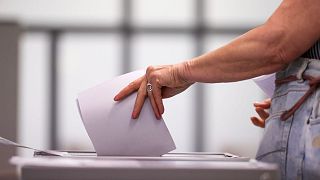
(299, 67)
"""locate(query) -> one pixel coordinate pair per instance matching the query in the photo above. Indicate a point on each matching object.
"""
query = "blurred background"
(55, 49)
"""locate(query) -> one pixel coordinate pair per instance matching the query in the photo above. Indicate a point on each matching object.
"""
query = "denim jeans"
(294, 144)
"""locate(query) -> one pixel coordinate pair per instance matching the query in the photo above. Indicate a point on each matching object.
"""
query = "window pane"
(179, 110)
(33, 92)
(239, 13)
(164, 12)
(61, 11)
(228, 111)
(161, 49)
(85, 61)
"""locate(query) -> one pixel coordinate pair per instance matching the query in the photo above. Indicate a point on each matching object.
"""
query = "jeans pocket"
(316, 108)
(312, 149)
(270, 145)
(314, 133)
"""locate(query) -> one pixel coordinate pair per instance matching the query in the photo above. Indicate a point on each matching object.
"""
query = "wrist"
(184, 72)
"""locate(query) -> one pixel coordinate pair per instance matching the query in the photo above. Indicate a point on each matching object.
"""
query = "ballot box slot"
(183, 156)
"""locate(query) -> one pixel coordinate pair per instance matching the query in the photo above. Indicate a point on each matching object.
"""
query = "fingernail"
(133, 116)
(255, 104)
(115, 98)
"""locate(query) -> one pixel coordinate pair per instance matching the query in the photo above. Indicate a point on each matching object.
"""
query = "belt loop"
(302, 69)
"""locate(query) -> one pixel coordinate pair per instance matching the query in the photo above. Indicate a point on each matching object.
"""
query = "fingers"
(154, 105)
(156, 93)
(258, 122)
(260, 108)
(141, 96)
(264, 104)
(262, 113)
(132, 87)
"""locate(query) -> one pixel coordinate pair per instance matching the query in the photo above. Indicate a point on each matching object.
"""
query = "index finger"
(129, 89)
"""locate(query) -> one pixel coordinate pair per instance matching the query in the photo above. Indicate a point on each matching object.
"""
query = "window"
(90, 41)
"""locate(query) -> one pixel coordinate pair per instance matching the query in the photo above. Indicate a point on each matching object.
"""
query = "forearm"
(287, 34)
(254, 53)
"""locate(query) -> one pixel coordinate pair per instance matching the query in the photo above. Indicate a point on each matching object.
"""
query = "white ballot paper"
(110, 127)
(266, 83)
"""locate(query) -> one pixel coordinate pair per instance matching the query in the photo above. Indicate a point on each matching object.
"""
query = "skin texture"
(291, 30)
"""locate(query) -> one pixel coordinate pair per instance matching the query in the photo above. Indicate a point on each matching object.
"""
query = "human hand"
(261, 108)
(166, 81)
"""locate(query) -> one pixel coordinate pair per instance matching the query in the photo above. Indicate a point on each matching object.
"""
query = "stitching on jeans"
(276, 114)
(314, 121)
(293, 90)
(286, 152)
(273, 117)
(271, 152)
(302, 165)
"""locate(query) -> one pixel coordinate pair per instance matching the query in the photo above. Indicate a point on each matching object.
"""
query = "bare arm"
(290, 31)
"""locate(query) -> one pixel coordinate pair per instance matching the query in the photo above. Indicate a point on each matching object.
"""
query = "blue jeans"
(294, 144)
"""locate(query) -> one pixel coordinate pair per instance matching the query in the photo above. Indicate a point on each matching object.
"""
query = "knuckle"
(153, 75)
(149, 69)
(141, 93)
(132, 84)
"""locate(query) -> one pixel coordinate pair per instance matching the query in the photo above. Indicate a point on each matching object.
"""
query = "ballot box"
(171, 166)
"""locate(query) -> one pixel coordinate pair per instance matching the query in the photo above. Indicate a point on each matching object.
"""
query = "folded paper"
(266, 83)
(110, 127)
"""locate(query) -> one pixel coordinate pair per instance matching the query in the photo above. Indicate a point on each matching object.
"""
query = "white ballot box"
(171, 166)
